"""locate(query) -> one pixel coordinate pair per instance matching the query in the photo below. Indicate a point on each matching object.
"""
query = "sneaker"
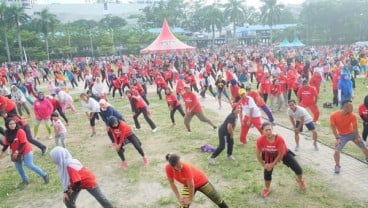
(265, 192)
(145, 161)
(337, 169)
(316, 147)
(93, 134)
(296, 148)
(231, 158)
(46, 178)
(154, 130)
(137, 129)
(123, 164)
(50, 137)
(189, 132)
(301, 184)
(211, 161)
(22, 184)
(44, 151)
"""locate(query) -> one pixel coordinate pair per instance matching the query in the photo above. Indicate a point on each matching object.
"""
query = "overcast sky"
(255, 3)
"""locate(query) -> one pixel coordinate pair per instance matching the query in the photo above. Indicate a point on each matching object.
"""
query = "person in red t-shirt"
(8, 105)
(160, 84)
(139, 106)
(335, 80)
(193, 179)
(75, 177)
(270, 150)
(274, 91)
(173, 104)
(21, 151)
(123, 134)
(193, 108)
(363, 113)
(308, 99)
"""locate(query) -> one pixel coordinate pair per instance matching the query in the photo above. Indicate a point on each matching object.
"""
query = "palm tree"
(235, 13)
(270, 14)
(46, 23)
(4, 21)
(18, 17)
(212, 17)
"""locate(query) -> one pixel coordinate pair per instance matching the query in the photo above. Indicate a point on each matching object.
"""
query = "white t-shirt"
(247, 107)
(91, 106)
(299, 113)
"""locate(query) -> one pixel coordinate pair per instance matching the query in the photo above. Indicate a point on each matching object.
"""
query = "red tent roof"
(166, 42)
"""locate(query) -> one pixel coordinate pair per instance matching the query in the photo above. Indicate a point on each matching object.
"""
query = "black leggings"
(61, 113)
(208, 190)
(172, 112)
(365, 131)
(29, 136)
(145, 114)
(92, 120)
(224, 138)
(136, 143)
(289, 161)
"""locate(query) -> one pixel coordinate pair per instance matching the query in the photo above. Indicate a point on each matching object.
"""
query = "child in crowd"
(59, 128)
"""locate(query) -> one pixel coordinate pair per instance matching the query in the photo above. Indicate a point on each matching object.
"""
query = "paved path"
(353, 178)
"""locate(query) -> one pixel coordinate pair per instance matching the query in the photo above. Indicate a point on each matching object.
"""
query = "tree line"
(44, 36)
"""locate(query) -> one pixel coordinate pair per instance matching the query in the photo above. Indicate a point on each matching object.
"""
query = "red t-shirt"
(6, 104)
(270, 150)
(84, 175)
(179, 86)
(20, 138)
(363, 112)
(190, 100)
(234, 89)
(120, 133)
(307, 95)
(256, 97)
(187, 172)
(171, 100)
(275, 89)
(264, 85)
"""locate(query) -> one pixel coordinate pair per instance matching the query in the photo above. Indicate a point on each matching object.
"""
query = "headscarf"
(39, 96)
(10, 133)
(63, 159)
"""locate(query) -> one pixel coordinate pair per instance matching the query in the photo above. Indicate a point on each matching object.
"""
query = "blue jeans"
(28, 161)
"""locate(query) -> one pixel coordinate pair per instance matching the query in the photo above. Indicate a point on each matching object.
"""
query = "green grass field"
(239, 182)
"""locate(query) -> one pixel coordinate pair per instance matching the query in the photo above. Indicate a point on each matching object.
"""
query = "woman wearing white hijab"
(75, 177)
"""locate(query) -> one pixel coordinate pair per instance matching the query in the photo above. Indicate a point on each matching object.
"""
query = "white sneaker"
(316, 147)
(296, 148)
(154, 130)
(231, 158)
(211, 161)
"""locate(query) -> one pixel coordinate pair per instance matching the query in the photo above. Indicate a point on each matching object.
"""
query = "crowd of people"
(249, 79)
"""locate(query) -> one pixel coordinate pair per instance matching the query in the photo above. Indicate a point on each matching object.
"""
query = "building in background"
(22, 3)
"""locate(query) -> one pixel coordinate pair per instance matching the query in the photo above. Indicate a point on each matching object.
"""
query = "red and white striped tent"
(166, 42)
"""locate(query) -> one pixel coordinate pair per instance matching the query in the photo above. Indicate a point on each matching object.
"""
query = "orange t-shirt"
(344, 123)
(188, 171)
